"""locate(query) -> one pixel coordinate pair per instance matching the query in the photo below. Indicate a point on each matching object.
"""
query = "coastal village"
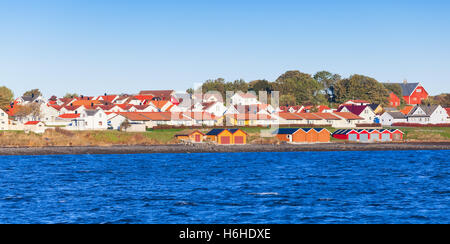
(210, 118)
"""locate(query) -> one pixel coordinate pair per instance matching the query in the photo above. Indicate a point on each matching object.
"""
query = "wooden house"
(194, 137)
(303, 135)
(227, 136)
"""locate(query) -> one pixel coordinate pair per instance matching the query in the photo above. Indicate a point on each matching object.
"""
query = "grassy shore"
(59, 137)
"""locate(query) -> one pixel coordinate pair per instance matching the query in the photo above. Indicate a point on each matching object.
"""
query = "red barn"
(413, 93)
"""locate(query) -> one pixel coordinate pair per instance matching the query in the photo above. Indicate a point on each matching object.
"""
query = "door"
(375, 137)
(397, 137)
(364, 138)
(239, 140)
(225, 140)
(197, 138)
(385, 137)
(353, 137)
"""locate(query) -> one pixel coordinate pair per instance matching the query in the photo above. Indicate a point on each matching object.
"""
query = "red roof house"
(394, 101)
(32, 122)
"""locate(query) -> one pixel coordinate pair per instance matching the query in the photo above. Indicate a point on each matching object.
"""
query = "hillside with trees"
(298, 88)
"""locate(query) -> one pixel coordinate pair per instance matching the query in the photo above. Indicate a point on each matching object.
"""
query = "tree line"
(322, 88)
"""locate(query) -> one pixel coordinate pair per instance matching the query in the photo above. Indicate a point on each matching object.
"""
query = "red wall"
(394, 101)
(417, 97)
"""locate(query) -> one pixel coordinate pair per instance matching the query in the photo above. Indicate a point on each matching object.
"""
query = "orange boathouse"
(228, 136)
(194, 137)
(303, 135)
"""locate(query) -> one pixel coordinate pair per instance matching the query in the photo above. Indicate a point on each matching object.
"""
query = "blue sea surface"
(299, 187)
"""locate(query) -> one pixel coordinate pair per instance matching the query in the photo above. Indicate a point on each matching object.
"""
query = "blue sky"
(97, 46)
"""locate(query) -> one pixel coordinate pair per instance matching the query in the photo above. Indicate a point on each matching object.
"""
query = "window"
(419, 90)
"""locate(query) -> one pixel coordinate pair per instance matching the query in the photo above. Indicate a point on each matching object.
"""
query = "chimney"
(405, 81)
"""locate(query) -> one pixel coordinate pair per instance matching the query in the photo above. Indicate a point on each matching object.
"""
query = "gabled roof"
(72, 108)
(395, 130)
(246, 95)
(163, 94)
(286, 131)
(91, 112)
(289, 116)
(215, 132)
(429, 110)
(189, 133)
(159, 104)
(87, 103)
(343, 132)
(327, 116)
(355, 109)
(69, 116)
(408, 88)
(157, 116)
(374, 106)
(32, 122)
(357, 101)
(397, 115)
(308, 116)
(134, 116)
(233, 131)
(348, 115)
(406, 110)
(141, 107)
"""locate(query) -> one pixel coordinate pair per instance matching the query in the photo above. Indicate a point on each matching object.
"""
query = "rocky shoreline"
(207, 148)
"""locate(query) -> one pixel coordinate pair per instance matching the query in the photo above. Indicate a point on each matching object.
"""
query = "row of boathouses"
(295, 135)
(369, 135)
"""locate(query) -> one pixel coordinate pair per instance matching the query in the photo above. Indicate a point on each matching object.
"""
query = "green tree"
(190, 91)
(240, 85)
(260, 85)
(31, 109)
(71, 95)
(6, 97)
(125, 125)
(287, 100)
(328, 81)
(221, 86)
(34, 92)
(361, 87)
(443, 100)
(302, 86)
(430, 101)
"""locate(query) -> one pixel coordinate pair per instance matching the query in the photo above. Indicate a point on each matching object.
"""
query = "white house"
(4, 120)
(424, 114)
(49, 114)
(216, 108)
(389, 118)
(244, 99)
(90, 120)
(23, 100)
(363, 111)
(34, 126)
